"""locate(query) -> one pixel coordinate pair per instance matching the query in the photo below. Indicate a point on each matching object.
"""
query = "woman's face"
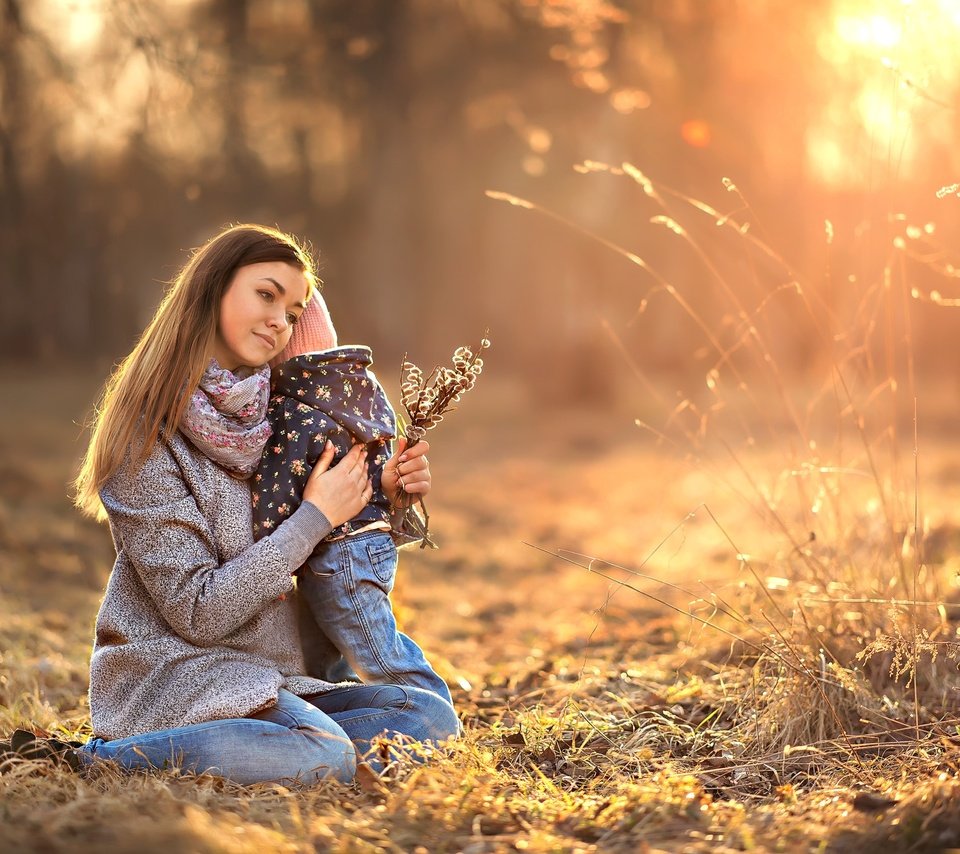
(257, 313)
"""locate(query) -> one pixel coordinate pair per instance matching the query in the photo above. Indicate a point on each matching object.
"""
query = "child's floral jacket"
(318, 396)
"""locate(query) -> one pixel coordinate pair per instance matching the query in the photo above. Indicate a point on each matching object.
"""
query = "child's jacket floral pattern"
(318, 396)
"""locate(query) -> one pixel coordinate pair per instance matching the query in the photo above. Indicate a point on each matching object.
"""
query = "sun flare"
(894, 70)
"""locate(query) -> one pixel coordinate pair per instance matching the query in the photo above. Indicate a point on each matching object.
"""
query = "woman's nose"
(279, 322)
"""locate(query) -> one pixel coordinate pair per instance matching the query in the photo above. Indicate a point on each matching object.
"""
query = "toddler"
(322, 392)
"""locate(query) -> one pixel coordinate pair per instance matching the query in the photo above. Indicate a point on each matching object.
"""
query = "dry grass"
(597, 718)
(753, 647)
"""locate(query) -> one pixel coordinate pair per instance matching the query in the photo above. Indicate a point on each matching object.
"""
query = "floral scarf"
(226, 417)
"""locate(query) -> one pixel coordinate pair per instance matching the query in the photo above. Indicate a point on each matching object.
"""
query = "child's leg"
(348, 589)
(321, 657)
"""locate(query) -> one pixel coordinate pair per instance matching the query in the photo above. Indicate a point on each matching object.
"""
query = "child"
(325, 393)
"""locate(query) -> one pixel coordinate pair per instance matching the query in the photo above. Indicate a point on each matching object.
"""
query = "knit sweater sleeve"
(158, 523)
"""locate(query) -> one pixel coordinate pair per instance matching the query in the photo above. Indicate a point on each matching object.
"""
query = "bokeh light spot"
(534, 165)
(696, 132)
(625, 101)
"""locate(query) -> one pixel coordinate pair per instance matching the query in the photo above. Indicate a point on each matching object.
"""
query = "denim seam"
(296, 724)
(383, 556)
(378, 715)
(148, 739)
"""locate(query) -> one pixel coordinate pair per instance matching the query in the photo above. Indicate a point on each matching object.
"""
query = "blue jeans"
(302, 739)
(346, 586)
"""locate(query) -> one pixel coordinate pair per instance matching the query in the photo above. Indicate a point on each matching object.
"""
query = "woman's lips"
(270, 343)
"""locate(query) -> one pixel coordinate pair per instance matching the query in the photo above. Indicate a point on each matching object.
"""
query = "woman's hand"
(342, 491)
(406, 475)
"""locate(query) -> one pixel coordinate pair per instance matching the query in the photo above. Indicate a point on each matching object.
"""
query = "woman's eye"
(292, 318)
(267, 295)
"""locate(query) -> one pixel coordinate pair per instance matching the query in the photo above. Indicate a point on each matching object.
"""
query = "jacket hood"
(339, 384)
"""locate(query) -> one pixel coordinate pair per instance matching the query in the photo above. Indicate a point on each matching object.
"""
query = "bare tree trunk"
(383, 256)
(15, 331)
(240, 164)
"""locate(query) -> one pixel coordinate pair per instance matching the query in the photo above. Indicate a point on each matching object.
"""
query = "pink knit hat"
(313, 331)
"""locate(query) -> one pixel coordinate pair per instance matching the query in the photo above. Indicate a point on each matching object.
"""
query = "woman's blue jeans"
(303, 739)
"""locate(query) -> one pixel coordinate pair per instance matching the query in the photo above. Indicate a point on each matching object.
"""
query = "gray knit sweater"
(198, 622)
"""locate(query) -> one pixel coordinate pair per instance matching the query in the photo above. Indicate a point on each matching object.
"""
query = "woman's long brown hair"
(149, 390)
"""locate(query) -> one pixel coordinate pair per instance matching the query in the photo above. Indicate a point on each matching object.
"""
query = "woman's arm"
(157, 522)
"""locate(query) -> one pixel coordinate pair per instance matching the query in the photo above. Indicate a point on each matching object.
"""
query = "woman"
(196, 660)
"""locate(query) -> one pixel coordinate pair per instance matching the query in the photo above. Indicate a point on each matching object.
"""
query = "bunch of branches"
(427, 399)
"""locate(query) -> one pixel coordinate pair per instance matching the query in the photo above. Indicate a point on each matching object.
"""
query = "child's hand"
(406, 475)
(342, 491)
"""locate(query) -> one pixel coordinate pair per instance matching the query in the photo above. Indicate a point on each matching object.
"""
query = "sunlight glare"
(869, 30)
(84, 23)
(826, 156)
(894, 61)
(951, 9)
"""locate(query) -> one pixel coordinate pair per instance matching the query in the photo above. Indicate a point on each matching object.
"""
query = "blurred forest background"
(131, 130)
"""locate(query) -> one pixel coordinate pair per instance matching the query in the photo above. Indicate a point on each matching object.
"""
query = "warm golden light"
(895, 68)
(869, 30)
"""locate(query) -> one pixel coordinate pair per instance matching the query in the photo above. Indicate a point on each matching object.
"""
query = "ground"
(725, 715)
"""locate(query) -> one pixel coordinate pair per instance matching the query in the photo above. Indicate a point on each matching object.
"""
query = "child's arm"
(406, 475)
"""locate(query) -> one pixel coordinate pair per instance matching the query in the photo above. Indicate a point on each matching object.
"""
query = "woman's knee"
(326, 755)
(439, 718)
(436, 718)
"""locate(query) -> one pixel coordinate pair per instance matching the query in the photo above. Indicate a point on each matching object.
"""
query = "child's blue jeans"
(346, 585)
(305, 739)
